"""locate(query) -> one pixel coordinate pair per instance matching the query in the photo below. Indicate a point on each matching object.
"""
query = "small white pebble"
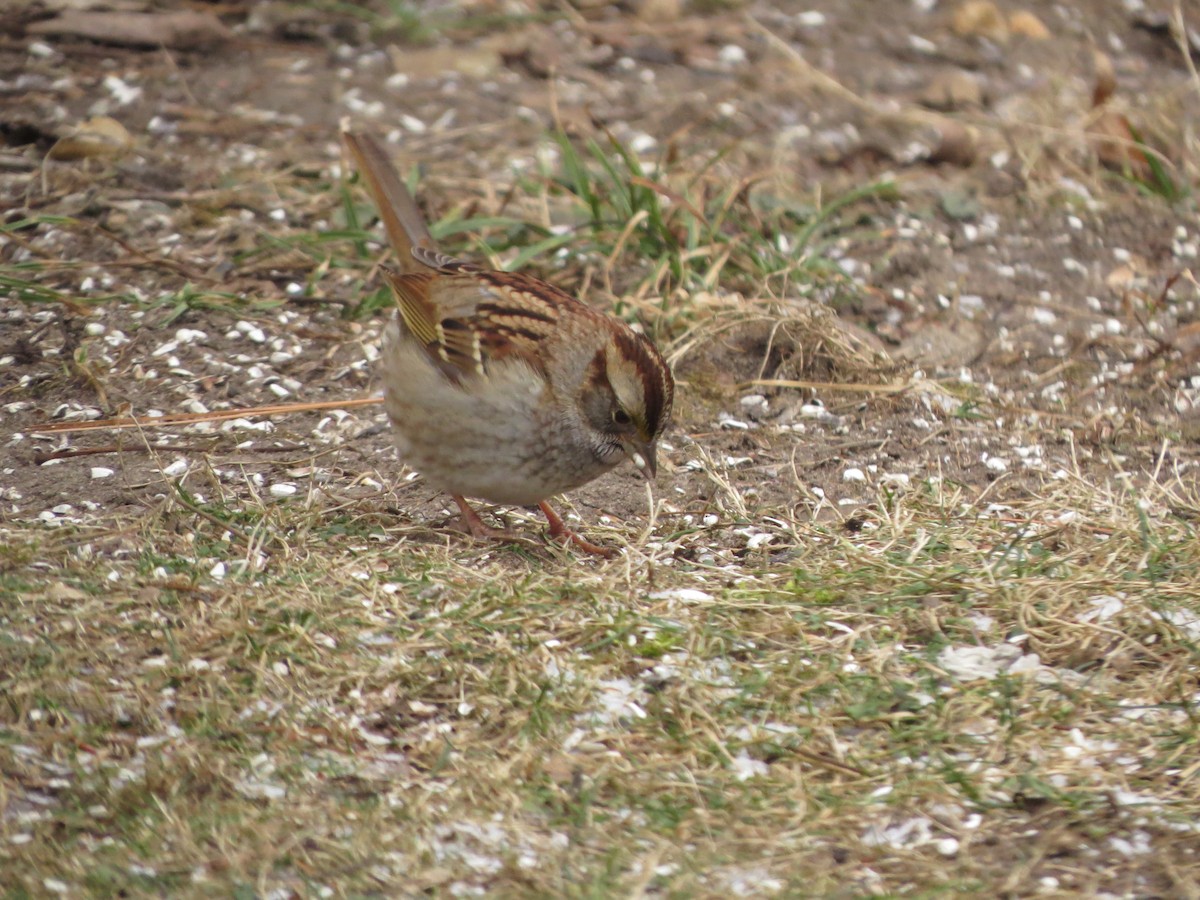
(283, 490)
(1043, 316)
(854, 474)
(731, 55)
(250, 331)
(947, 847)
(759, 540)
(813, 410)
(923, 45)
(122, 93)
(177, 468)
(413, 124)
(101, 472)
(683, 595)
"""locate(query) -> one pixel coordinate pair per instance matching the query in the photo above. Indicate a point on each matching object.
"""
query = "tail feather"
(405, 226)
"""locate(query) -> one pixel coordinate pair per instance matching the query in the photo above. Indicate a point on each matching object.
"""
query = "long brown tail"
(405, 226)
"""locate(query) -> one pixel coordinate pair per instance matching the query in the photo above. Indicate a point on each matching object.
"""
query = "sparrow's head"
(627, 396)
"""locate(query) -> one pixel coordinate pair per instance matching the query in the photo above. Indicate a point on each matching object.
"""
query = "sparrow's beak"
(642, 454)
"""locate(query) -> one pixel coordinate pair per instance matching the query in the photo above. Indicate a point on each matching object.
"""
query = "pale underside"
(472, 438)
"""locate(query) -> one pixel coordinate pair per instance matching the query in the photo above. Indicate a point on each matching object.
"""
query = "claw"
(560, 532)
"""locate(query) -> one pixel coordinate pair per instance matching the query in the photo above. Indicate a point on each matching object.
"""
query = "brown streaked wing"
(418, 311)
(467, 318)
(515, 313)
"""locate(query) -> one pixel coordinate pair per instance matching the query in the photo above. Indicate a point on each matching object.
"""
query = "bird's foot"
(560, 532)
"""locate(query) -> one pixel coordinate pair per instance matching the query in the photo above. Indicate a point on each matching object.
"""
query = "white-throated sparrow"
(499, 385)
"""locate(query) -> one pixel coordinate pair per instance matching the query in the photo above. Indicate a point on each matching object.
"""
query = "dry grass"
(363, 714)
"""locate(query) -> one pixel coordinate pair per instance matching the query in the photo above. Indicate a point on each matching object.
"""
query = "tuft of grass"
(660, 230)
(699, 229)
(1156, 179)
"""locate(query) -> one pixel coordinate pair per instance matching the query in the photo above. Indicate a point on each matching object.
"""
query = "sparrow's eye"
(622, 418)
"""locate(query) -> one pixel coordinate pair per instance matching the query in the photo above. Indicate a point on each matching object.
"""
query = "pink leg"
(560, 532)
(475, 526)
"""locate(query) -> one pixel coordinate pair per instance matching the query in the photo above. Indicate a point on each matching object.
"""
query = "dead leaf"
(658, 11)
(1104, 78)
(952, 89)
(535, 51)
(1109, 133)
(1186, 340)
(63, 593)
(1026, 24)
(181, 29)
(1121, 278)
(1115, 145)
(100, 136)
(479, 61)
(980, 18)
(958, 144)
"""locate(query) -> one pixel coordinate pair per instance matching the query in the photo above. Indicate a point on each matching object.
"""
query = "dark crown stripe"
(656, 387)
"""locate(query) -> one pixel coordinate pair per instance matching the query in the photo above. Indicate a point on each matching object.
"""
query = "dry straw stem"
(220, 415)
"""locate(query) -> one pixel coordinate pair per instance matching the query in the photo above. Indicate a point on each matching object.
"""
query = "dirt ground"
(1010, 310)
(1029, 277)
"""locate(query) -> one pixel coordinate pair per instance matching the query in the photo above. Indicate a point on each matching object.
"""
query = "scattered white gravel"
(177, 468)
